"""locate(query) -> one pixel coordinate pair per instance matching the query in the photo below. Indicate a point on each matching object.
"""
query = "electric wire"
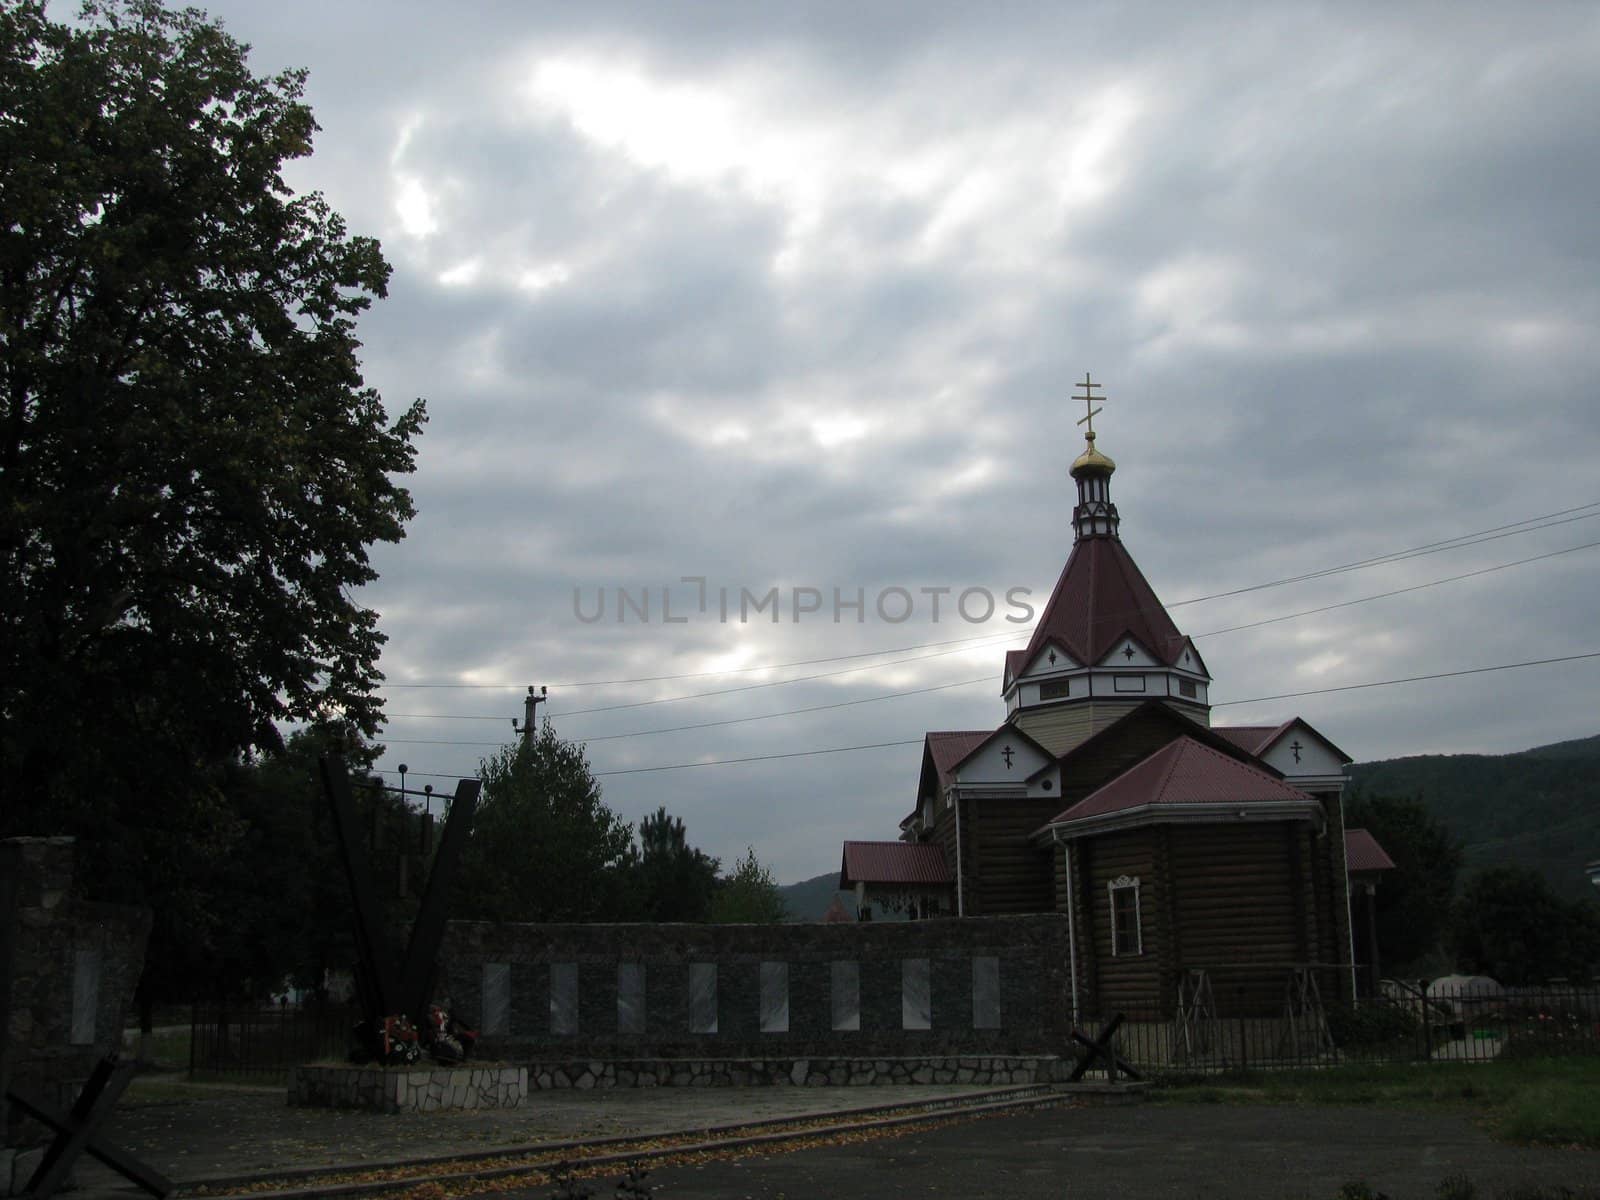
(1460, 541)
(1209, 633)
(1348, 687)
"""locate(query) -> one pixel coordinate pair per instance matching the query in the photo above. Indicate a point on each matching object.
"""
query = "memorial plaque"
(563, 999)
(916, 994)
(702, 997)
(846, 996)
(85, 995)
(774, 997)
(495, 1016)
(630, 998)
(986, 993)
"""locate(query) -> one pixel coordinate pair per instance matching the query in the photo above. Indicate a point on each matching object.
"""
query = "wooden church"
(1188, 857)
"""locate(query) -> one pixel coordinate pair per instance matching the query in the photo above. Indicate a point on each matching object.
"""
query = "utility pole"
(530, 711)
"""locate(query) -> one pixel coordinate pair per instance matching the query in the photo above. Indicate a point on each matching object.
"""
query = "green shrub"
(1370, 1025)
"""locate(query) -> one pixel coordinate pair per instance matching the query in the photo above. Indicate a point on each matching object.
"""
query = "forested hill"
(809, 899)
(1538, 808)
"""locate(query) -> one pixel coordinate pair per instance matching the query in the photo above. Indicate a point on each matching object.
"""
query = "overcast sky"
(790, 295)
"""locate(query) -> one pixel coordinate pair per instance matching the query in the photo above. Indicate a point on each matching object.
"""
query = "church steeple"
(1094, 515)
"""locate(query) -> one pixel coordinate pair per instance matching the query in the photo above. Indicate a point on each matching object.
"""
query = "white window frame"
(1124, 883)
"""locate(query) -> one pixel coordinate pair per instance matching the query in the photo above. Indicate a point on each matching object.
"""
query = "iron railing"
(261, 1044)
(1404, 1024)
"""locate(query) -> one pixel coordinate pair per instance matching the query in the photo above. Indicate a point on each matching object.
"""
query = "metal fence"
(1404, 1024)
(261, 1044)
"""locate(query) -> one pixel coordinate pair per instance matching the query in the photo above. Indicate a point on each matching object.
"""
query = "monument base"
(407, 1089)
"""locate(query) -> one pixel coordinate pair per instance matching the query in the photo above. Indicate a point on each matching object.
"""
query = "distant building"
(1189, 858)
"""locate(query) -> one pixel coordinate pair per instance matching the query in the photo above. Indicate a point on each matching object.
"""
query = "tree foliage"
(191, 468)
(1413, 901)
(266, 902)
(1510, 925)
(544, 846)
(674, 881)
(749, 896)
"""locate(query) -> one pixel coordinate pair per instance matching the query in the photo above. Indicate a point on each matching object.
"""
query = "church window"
(1130, 683)
(1057, 690)
(1127, 936)
(1186, 688)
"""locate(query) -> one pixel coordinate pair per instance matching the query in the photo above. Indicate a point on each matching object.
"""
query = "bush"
(1370, 1025)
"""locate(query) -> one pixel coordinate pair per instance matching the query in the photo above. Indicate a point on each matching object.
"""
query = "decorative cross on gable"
(1052, 658)
(1296, 747)
(1127, 653)
(1006, 754)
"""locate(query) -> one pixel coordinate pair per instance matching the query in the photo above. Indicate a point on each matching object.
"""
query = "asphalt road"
(1185, 1151)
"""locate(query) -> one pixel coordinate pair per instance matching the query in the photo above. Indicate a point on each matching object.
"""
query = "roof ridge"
(1178, 749)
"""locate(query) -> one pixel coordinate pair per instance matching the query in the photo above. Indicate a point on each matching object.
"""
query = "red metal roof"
(950, 746)
(916, 863)
(1363, 853)
(1015, 661)
(1249, 738)
(1183, 772)
(1100, 597)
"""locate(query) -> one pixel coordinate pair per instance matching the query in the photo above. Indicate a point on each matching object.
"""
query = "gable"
(1127, 651)
(1008, 756)
(1297, 751)
(1039, 662)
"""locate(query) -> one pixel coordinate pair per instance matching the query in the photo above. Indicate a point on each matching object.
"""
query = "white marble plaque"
(85, 995)
(774, 997)
(563, 998)
(630, 998)
(495, 1015)
(916, 994)
(846, 996)
(702, 997)
(986, 993)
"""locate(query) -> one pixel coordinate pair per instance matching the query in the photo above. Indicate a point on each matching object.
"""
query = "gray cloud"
(795, 295)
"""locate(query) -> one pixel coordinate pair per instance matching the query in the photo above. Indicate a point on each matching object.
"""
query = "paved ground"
(1184, 1151)
(211, 1132)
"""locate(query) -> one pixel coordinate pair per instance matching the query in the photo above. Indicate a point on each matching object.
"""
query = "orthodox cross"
(1006, 754)
(1296, 747)
(1088, 385)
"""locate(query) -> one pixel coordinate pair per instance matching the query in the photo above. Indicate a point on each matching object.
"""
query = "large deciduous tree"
(191, 467)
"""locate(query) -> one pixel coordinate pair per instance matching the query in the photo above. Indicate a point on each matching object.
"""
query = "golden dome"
(1092, 459)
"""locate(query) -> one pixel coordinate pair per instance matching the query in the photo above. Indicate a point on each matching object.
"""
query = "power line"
(788, 712)
(919, 691)
(1396, 592)
(1455, 543)
(726, 762)
(1352, 687)
(1460, 541)
(1348, 687)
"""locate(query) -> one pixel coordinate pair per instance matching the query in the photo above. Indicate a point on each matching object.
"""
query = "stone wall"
(73, 968)
(921, 990)
(408, 1089)
(582, 1075)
